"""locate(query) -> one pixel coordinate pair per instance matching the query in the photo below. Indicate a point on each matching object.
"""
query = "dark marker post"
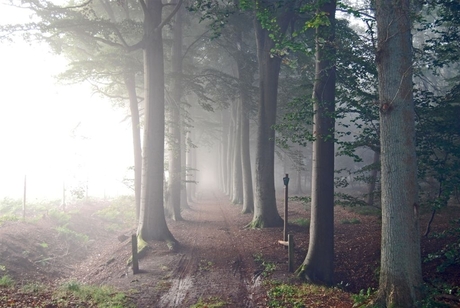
(286, 185)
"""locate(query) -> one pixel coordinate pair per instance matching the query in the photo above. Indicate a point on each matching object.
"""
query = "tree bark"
(248, 193)
(173, 206)
(231, 144)
(318, 265)
(373, 178)
(183, 199)
(130, 83)
(225, 151)
(152, 222)
(265, 211)
(400, 270)
(237, 176)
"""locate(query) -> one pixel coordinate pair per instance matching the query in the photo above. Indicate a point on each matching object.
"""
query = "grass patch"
(68, 234)
(101, 297)
(303, 222)
(8, 217)
(366, 210)
(205, 265)
(120, 213)
(281, 295)
(210, 302)
(33, 288)
(59, 216)
(353, 221)
(6, 281)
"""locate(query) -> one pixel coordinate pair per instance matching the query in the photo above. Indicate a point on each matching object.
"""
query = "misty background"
(55, 133)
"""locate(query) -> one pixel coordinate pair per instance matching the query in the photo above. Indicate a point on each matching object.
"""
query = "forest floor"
(219, 262)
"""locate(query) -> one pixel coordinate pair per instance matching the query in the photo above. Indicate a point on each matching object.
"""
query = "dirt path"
(216, 260)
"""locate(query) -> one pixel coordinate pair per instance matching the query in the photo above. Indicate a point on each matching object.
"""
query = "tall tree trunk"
(237, 177)
(173, 206)
(152, 222)
(400, 270)
(225, 151)
(265, 211)
(248, 193)
(130, 83)
(231, 144)
(188, 174)
(183, 199)
(318, 265)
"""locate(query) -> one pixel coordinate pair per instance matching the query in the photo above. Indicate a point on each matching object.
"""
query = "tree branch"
(168, 19)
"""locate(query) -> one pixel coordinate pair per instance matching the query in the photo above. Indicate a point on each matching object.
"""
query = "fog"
(56, 133)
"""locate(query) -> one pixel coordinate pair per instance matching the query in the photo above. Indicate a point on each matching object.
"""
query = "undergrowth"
(281, 295)
(210, 302)
(101, 297)
(266, 266)
(120, 213)
(449, 255)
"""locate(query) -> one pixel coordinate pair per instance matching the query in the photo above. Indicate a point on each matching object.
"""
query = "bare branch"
(194, 42)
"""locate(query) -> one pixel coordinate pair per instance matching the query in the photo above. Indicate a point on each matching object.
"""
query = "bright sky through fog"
(54, 132)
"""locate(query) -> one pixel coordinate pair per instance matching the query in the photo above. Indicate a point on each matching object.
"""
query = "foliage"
(435, 291)
(8, 217)
(348, 200)
(438, 145)
(68, 234)
(10, 206)
(102, 297)
(303, 222)
(121, 212)
(205, 265)
(441, 25)
(363, 298)
(267, 267)
(33, 288)
(281, 295)
(210, 302)
(60, 216)
(449, 255)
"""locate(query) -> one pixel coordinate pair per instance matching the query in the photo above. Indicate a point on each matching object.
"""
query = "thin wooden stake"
(290, 253)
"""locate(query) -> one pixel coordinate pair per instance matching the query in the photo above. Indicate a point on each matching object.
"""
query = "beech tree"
(318, 265)
(400, 269)
(152, 222)
(173, 203)
(265, 211)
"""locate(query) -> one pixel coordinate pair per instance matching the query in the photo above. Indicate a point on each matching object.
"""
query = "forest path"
(216, 262)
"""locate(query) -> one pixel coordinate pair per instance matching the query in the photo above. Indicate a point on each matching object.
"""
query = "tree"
(400, 269)
(318, 265)
(152, 222)
(265, 211)
(245, 76)
(173, 204)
